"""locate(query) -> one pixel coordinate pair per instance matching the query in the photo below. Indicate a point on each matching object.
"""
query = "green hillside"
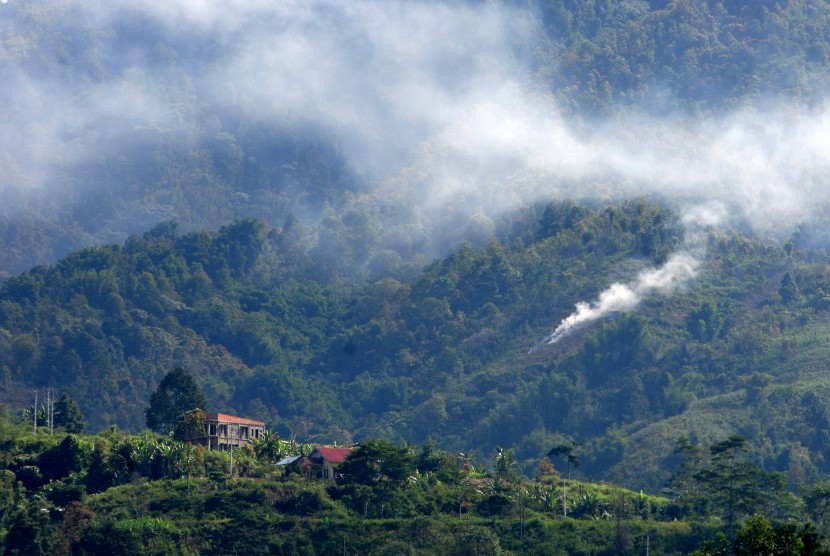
(738, 350)
(117, 493)
(375, 246)
(661, 55)
(589, 234)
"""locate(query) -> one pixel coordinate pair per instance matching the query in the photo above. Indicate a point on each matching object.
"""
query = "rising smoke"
(678, 270)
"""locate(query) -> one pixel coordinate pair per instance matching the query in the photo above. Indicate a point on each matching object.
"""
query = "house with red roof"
(227, 431)
(323, 462)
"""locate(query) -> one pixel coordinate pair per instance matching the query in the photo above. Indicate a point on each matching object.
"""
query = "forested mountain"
(350, 231)
(739, 350)
(660, 55)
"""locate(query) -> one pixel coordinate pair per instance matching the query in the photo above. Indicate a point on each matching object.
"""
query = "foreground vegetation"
(120, 494)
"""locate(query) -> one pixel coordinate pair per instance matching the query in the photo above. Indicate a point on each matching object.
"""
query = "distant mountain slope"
(661, 55)
(739, 350)
(115, 319)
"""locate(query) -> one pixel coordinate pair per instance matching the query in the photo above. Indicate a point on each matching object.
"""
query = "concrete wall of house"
(222, 435)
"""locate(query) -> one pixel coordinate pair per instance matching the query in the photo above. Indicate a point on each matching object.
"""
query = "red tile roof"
(222, 418)
(334, 455)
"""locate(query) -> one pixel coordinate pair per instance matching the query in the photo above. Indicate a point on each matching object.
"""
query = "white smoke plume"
(620, 298)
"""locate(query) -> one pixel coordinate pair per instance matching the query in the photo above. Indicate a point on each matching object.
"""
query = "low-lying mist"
(437, 105)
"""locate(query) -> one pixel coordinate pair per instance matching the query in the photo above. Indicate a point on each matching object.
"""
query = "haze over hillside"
(426, 119)
(356, 218)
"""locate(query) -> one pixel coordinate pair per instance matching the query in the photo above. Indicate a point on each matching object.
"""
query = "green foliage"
(757, 535)
(269, 447)
(789, 291)
(176, 395)
(726, 484)
(445, 356)
(684, 485)
(736, 487)
(143, 535)
(505, 461)
(706, 323)
(28, 533)
(190, 426)
(817, 504)
(409, 498)
(594, 58)
(698, 54)
(377, 461)
(332, 331)
(70, 456)
(68, 415)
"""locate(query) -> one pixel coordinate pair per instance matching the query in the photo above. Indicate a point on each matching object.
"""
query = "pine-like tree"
(176, 394)
(68, 415)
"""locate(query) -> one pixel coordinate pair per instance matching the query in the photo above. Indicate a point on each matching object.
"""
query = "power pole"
(34, 412)
(231, 440)
(50, 409)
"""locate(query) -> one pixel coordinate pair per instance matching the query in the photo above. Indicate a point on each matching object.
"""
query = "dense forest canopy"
(358, 220)
(454, 355)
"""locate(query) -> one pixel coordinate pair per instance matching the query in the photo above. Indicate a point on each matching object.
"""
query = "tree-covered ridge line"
(116, 493)
(245, 298)
(245, 311)
(135, 293)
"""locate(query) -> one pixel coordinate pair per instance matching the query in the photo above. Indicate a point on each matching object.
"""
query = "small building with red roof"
(323, 462)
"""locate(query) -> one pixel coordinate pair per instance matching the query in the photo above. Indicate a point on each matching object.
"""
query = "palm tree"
(505, 460)
(268, 446)
(572, 462)
(465, 462)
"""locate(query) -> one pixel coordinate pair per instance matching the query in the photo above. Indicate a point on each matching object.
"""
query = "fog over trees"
(358, 219)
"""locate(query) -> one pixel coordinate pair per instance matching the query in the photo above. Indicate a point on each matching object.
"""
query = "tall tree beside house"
(176, 395)
(68, 415)
(268, 447)
(378, 461)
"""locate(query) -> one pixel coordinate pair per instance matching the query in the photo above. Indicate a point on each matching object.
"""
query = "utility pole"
(34, 412)
(50, 409)
(232, 443)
